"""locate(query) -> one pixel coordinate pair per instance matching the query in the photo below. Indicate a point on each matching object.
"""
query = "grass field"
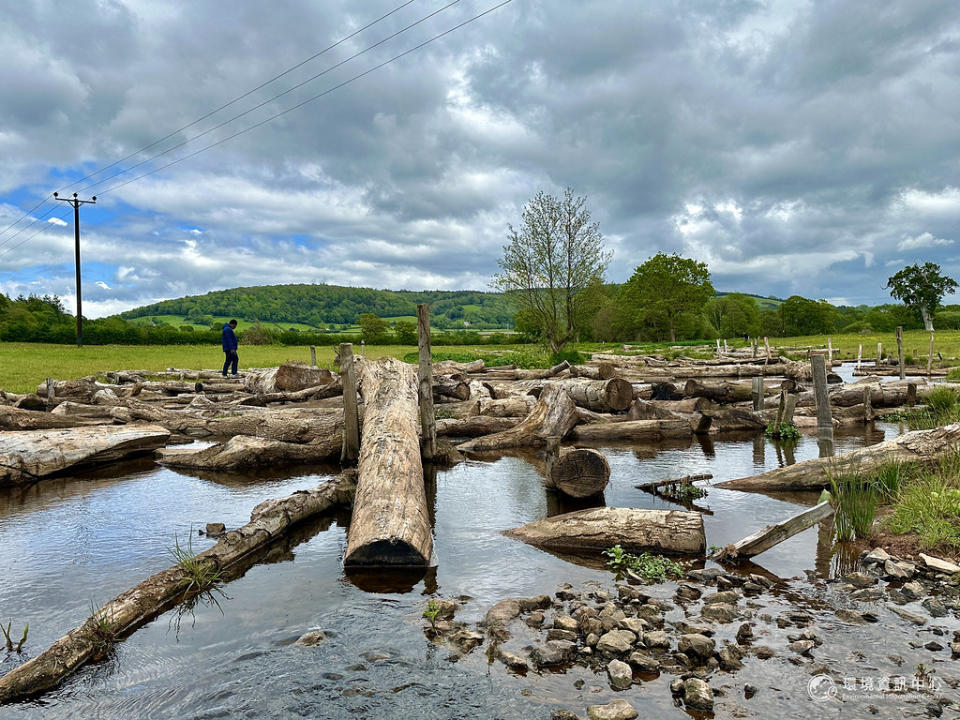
(23, 366)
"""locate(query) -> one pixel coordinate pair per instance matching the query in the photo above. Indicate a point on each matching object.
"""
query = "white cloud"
(923, 240)
(56, 221)
(102, 284)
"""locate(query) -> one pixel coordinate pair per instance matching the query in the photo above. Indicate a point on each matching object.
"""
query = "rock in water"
(614, 710)
(621, 676)
(311, 639)
(697, 695)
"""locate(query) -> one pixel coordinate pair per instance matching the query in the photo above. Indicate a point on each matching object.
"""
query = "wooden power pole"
(76, 203)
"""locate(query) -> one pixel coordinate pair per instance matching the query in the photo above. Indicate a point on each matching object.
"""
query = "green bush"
(942, 400)
(571, 356)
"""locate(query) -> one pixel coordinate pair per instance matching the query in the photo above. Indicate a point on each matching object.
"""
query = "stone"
(621, 675)
(944, 566)
(955, 650)
(898, 570)
(934, 646)
(749, 690)
(539, 602)
(707, 575)
(861, 580)
(851, 617)
(563, 715)
(697, 695)
(627, 593)
(311, 639)
(535, 620)
(744, 634)
(720, 612)
(513, 661)
(565, 622)
(656, 640)
(643, 662)
(913, 590)
(591, 625)
(215, 529)
(933, 606)
(682, 659)
(634, 625)
(762, 652)
(557, 634)
(502, 613)
(730, 658)
(867, 594)
(727, 596)
(877, 555)
(616, 642)
(688, 592)
(467, 640)
(614, 710)
(752, 588)
(592, 640)
(553, 652)
(445, 608)
(802, 647)
(696, 645)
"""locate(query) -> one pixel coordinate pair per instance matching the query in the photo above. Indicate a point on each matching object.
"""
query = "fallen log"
(685, 480)
(919, 446)
(288, 377)
(542, 374)
(614, 394)
(318, 392)
(771, 535)
(733, 419)
(633, 430)
(721, 392)
(248, 452)
(587, 532)
(516, 406)
(450, 387)
(80, 389)
(552, 417)
(12, 418)
(451, 367)
(391, 523)
(137, 606)
(457, 411)
(476, 426)
(31, 455)
(578, 472)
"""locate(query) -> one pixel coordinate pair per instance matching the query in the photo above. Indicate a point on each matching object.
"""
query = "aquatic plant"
(645, 565)
(783, 431)
(942, 408)
(855, 499)
(102, 630)
(929, 504)
(6, 635)
(201, 573)
(433, 609)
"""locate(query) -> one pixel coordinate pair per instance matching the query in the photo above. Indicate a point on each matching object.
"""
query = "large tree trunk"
(552, 417)
(248, 452)
(30, 455)
(722, 392)
(135, 607)
(923, 446)
(516, 406)
(600, 395)
(633, 430)
(391, 524)
(288, 377)
(578, 472)
(12, 418)
(476, 426)
(588, 532)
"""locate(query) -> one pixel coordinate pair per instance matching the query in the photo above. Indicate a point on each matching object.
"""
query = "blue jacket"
(229, 339)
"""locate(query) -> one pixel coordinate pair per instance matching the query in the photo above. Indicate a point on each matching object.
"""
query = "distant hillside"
(322, 306)
(763, 302)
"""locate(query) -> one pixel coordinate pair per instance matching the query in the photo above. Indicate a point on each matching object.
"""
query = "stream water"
(69, 544)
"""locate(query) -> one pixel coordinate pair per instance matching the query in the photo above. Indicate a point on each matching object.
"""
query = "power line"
(275, 97)
(32, 223)
(205, 116)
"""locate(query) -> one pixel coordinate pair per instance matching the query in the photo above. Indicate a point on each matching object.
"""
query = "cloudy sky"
(796, 147)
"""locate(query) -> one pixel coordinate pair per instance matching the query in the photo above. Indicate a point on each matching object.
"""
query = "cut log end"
(386, 553)
(580, 472)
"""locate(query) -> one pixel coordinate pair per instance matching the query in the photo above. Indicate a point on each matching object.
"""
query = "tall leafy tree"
(552, 263)
(667, 287)
(921, 287)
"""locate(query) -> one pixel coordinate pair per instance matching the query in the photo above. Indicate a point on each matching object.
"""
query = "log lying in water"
(614, 394)
(919, 446)
(771, 535)
(12, 418)
(654, 485)
(476, 426)
(578, 472)
(137, 606)
(552, 417)
(633, 430)
(722, 392)
(590, 531)
(248, 452)
(34, 454)
(391, 524)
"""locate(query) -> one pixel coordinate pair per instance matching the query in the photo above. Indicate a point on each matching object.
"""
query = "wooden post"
(753, 346)
(789, 406)
(718, 346)
(313, 355)
(930, 356)
(363, 348)
(766, 344)
(879, 353)
(830, 351)
(51, 391)
(725, 348)
(822, 398)
(428, 421)
(758, 393)
(903, 371)
(351, 422)
(859, 355)
(867, 404)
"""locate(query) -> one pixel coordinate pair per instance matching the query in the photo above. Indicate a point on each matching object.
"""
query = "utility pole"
(76, 202)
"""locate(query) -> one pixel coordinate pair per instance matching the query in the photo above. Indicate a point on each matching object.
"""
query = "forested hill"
(329, 305)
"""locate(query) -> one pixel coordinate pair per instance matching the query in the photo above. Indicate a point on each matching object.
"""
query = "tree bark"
(137, 606)
(391, 523)
(772, 535)
(600, 395)
(587, 532)
(31, 455)
(578, 472)
(247, 452)
(920, 446)
(722, 392)
(476, 426)
(12, 418)
(552, 417)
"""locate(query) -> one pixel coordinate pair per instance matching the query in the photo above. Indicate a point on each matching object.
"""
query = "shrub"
(258, 334)
(942, 400)
(571, 356)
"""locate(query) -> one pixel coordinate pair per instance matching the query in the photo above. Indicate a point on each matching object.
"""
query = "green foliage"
(942, 408)
(783, 432)
(667, 287)
(647, 566)
(258, 334)
(529, 357)
(552, 264)
(373, 329)
(201, 574)
(571, 356)
(929, 504)
(942, 400)
(433, 609)
(855, 499)
(733, 315)
(954, 375)
(801, 316)
(908, 359)
(921, 287)
(102, 630)
(405, 332)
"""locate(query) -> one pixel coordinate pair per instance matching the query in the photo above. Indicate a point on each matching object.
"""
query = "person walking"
(229, 342)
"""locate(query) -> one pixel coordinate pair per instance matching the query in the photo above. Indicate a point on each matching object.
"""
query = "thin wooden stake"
(903, 370)
(879, 353)
(773, 535)
(930, 356)
(766, 344)
(758, 393)
(830, 351)
(313, 355)
(822, 397)
(351, 421)
(428, 422)
(859, 355)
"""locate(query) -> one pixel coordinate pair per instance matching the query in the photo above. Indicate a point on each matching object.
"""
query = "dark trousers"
(231, 361)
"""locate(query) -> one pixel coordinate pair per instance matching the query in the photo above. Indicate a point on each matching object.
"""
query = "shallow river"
(70, 544)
